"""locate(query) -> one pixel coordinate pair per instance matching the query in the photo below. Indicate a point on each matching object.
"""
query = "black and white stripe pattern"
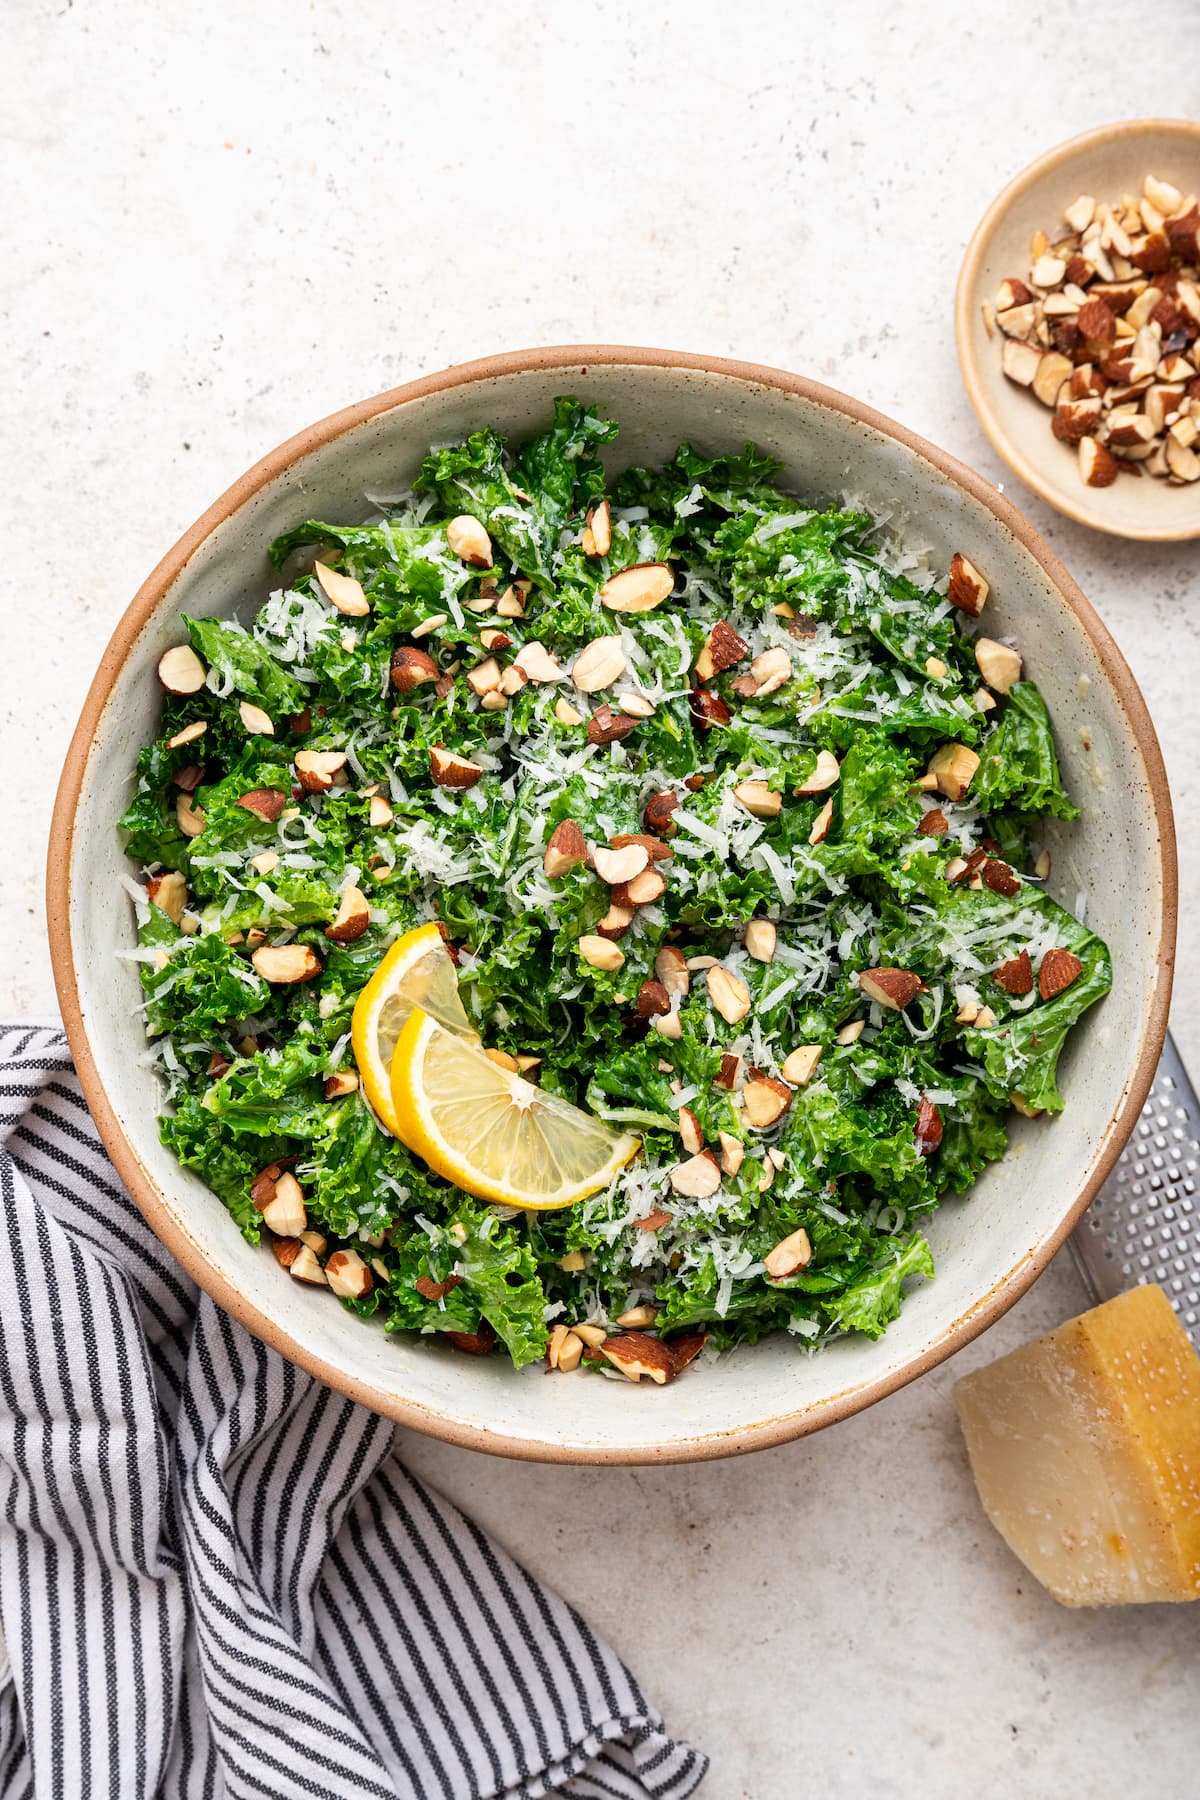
(215, 1579)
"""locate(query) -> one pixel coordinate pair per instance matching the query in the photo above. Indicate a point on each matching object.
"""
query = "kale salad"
(711, 815)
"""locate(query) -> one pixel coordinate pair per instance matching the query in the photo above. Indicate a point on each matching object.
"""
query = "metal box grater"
(1144, 1224)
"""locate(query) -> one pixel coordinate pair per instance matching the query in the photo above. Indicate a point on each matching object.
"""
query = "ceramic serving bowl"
(1106, 163)
(989, 1246)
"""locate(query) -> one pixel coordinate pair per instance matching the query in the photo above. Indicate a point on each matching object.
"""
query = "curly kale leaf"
(840, 1130)
(226, 1163)
(803, 563)
(561, 465)
(1018, 766)
(1020, 1054)
(246, 665)
(975, 1135)
(199, 984)
(342, 1167)
(873, 804)
(524, 509)
(277, 1091)
(153, 830)
(872, 1300)
(499, 1282)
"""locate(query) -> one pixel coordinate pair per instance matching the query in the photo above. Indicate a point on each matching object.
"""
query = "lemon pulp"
(491, 1132)
(417, 971)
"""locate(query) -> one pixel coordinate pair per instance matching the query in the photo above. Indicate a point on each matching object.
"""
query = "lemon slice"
(493, 1133)
(417, 971)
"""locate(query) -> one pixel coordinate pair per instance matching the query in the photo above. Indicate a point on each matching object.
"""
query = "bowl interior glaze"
(988, 1246)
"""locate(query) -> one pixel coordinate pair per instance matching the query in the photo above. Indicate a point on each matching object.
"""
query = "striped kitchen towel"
(215, 1578)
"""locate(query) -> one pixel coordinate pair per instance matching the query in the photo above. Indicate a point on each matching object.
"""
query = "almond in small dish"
(1103, 330)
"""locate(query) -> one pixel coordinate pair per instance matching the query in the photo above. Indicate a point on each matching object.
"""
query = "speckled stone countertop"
(224, 222)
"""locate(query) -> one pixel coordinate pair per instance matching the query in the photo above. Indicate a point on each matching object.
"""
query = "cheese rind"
(1085, 1448)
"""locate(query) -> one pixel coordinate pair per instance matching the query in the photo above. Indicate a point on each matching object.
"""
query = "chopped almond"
(652, 999)
(733, 1152)
(821, 824)
(637, 1318)
(998, 876)
(599, 664)
(638, 588)
(1052, 371)
(1096, 465)
(892, 988)
(642, 890)
(606, 726)
(537, 663)
(690, 1134)
(188, 818)
(565, 850)
(353, 918)
(1020, 361)
(283, 1208)
(1012, 292)
(450, 770)
(823, 776)
(616, 921)
(316, 769)
(760, 938)
(728, 993)
(617, 866)
(266, 804)
(181, 671)
(654, 847)
(722, 649)
(698, 1178)
(1057, 970)
(305, 1267)
(188, 735)
(998, 663)
(800, 1065)
(636, 1354)
(343, 592)
(469, 541)
(928, 1131)
(600, 953)
(657, 815)
(765, 1099)
(759, 799)
(597, 532)
(708, 709)
(1016, 977)
(789, 1256)
(670, 966)
(770, 671)
(169, 893)
(283, 965)
(411, 667)
(953, 768)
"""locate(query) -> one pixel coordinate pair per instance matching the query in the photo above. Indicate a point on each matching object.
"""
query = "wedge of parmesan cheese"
(1085, 1448)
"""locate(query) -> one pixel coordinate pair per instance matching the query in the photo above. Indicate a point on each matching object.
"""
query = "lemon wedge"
(417, 971)
(492, 1133)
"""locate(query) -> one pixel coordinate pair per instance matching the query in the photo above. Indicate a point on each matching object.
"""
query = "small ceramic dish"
(1106, 163)
(1121, 852)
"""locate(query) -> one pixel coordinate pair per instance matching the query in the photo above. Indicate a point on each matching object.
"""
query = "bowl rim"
(964, 320)
(187, 1250)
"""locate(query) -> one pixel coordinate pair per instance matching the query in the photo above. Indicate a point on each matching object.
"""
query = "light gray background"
(225, 221)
